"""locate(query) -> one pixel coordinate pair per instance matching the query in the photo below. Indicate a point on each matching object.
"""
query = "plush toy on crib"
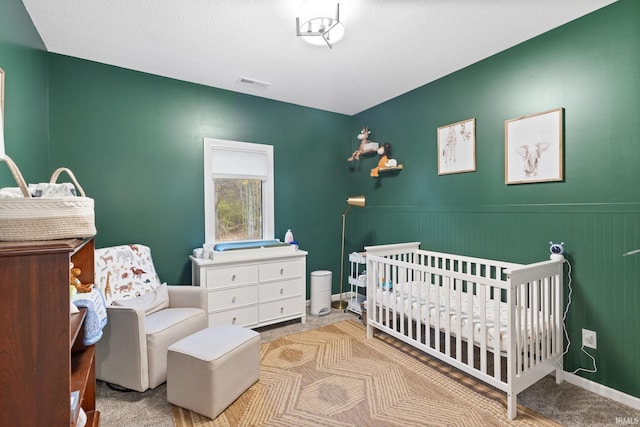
(362, 136)
(385, 159)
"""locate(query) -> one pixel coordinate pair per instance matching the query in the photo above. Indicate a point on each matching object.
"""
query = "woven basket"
(45, 218)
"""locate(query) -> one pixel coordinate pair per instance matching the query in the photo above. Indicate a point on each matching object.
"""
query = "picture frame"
(534, 147)
(457, 147)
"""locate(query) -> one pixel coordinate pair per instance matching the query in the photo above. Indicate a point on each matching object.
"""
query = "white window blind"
(226, 162)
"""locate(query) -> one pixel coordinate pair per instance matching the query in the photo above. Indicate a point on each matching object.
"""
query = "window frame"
(213, 145)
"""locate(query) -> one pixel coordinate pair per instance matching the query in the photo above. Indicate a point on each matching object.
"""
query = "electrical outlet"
(589, 338)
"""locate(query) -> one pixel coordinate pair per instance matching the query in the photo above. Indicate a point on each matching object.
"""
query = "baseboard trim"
(602, 390)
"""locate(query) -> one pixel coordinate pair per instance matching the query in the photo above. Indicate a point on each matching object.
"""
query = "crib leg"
(512, 406)
(369, 331)
(559, 375)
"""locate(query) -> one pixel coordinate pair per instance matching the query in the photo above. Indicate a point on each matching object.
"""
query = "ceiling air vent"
(253, 82)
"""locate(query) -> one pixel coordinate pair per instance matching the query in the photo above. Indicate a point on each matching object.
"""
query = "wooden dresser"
(42, 357)
(254, 287)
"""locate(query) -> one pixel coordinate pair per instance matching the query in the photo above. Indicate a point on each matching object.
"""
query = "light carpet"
(335, 376)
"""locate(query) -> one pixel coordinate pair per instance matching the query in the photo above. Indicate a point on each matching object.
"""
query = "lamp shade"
(358, 201)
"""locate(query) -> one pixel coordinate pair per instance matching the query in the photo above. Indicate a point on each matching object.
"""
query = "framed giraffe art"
(457, 147)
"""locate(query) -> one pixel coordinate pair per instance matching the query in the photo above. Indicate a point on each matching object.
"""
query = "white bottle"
(288, 237)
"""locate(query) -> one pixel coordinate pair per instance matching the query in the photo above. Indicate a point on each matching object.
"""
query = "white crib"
(500, 322)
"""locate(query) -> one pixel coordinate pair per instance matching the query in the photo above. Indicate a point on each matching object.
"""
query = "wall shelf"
(395, 168)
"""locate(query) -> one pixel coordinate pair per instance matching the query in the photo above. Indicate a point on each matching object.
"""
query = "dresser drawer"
(233, 297)
(282, 308)
(282, 289)
(246, 316)
(281, 270)
(232, 276)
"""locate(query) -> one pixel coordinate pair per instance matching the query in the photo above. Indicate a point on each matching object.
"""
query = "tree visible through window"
(238, 191)
(238, 207)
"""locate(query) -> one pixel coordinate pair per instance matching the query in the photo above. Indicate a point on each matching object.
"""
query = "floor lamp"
(357, 201)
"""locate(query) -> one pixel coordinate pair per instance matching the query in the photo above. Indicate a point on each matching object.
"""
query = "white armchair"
(144, 317)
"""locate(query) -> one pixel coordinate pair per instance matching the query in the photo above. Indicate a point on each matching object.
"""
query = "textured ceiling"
(389, 48)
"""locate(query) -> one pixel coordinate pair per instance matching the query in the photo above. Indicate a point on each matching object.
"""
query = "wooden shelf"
(395, 168)
(82, 378)
(75, 325)
(93, 419)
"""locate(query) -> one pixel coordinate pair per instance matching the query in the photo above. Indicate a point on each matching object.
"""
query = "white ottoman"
(210, 369)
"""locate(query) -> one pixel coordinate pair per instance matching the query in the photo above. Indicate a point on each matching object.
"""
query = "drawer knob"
(281, 310)
(233, 321)
(281, 291)
(282, 271)
(233, 300)
(233, 277)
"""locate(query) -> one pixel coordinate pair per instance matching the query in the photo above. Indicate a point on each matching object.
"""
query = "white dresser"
(253, 287)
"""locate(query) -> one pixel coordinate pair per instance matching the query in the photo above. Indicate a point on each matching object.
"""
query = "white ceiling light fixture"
(319, 24)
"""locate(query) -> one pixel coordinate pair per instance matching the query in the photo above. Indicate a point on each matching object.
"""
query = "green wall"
(23, 58)
(591, 68)
(135, 143)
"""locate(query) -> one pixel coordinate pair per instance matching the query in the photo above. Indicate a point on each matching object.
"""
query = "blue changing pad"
(231, 246)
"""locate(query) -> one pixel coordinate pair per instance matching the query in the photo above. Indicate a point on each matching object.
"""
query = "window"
(238, 191)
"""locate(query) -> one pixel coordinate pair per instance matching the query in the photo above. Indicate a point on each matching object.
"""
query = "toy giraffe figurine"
(362, 136)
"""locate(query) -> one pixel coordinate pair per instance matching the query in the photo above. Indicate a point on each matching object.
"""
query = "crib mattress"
(405, 298)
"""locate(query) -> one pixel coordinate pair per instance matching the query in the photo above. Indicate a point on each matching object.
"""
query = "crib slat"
(522, 300)
(405, 277)
(447, 316)
(529, 352)
(514, 327)
(392, 300)
(497, 334)
(417, 311)
(436, 314)
(538, 316)
(458, 317)
(545, 319)
(470, 327)
(482, 292)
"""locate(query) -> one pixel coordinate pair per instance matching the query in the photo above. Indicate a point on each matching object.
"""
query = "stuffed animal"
(362, 136)
(74, 281)
(385, 159)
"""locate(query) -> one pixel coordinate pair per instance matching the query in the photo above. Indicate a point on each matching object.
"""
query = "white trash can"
(320, 293)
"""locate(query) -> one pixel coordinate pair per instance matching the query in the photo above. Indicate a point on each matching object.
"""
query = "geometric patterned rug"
(335, 376)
